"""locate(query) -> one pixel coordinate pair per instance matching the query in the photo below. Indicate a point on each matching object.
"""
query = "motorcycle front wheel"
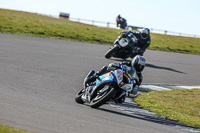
(78, 96)
(102, 98)
(111, 51)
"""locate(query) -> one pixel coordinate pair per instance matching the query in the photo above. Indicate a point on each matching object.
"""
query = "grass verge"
(5, 129)
(24, 23)
(182, 105)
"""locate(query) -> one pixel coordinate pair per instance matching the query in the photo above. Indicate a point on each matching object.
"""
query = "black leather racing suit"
(142, 43)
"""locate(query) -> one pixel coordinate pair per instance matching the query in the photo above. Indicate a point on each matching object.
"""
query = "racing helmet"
(138, 63)
(145, 33)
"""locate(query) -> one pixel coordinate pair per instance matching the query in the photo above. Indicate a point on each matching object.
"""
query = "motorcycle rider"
(118, 19)
(143, 42)
(122, 22)
(138, 63)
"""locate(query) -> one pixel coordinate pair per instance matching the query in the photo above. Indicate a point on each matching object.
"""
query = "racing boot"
(134, 91)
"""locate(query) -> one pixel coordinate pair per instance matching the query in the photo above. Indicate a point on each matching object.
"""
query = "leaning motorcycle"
(121, 22)
(124, 47)
(110, 86)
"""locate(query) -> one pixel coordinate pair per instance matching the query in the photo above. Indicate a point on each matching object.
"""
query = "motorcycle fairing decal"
(126, 76)
(119, 75)
(123, 42)
(119, 72)
(130, 76)
(108, 77)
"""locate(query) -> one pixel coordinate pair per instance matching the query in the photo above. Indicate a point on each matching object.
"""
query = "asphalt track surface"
(39, 78)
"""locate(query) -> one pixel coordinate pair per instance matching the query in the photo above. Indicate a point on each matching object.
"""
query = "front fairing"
(127, 42)
(122, 52)
(123, 42)
(108, 77)
(113, 76)
(133, 74)
(107, 80)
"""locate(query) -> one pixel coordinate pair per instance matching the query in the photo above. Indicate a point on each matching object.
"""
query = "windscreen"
(132, 73)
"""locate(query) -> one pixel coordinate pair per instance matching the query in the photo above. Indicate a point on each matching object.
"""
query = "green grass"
(175, 44)
(5, 129)
(23, 23)
(182, 105)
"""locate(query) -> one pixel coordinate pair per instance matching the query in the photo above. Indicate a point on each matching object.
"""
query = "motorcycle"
(121, 22)
(111, 86)
(124, 47)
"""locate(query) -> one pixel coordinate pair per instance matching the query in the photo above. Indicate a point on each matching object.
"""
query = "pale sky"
(172, 15)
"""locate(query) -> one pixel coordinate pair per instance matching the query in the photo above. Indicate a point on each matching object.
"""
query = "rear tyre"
(111, 51)
(102, 99)
(78, 97)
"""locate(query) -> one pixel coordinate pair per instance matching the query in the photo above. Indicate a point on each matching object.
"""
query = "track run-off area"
(40, 77)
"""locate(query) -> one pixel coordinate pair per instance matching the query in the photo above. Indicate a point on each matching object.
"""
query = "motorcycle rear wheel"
(111, 51)
(78, 97)
(100, 100)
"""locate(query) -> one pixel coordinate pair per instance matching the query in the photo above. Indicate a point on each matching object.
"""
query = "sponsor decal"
(119, 72)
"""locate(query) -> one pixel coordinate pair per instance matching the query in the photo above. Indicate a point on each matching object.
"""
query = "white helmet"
(145, 33)
(138, 63)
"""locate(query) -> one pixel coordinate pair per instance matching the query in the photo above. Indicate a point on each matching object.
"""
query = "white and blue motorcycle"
(110, 86)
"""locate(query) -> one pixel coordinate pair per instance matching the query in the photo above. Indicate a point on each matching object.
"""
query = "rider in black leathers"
(122, 22)
(138, 63)
(144, 40)
(118, 19)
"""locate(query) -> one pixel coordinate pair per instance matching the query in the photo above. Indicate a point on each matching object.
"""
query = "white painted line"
(153, 87)
(187, 87)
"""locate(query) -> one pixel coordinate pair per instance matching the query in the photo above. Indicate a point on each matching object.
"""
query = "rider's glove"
(128, 63)
(114, 65)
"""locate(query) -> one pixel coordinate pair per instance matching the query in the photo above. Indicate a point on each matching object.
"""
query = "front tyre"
(111, 51)
(78, 96)
(102, 99)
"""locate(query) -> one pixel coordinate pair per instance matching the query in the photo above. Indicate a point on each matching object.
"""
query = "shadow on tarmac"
(154, 66)
(165, 68)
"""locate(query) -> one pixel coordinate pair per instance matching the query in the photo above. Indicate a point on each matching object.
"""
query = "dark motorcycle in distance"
(121, 22)
(124, 47)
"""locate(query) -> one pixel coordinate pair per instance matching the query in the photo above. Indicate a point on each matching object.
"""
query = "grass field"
(5, 129)
(182, 105)
(23, 23)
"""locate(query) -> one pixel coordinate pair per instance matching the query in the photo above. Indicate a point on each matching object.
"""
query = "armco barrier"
(113, 25)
